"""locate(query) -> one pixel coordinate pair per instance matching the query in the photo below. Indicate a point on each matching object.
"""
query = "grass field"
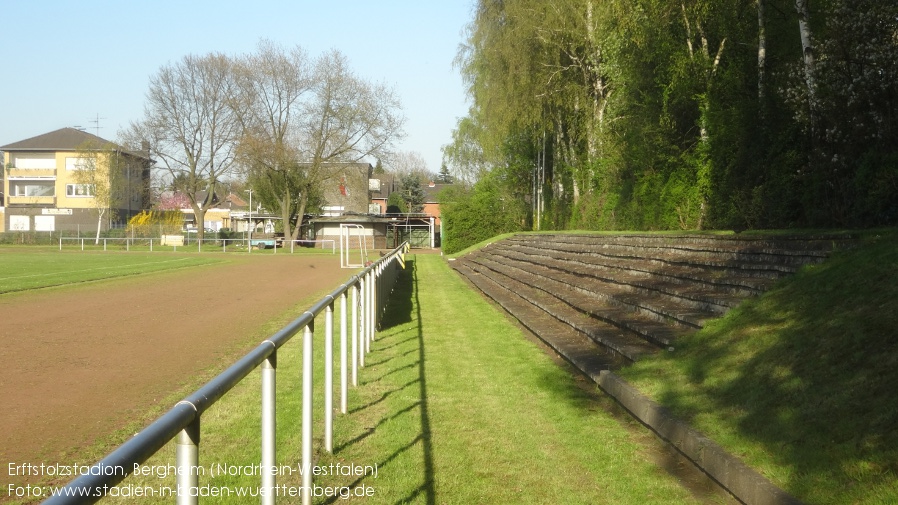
(24, 268)
(33, 267)
(454, 406)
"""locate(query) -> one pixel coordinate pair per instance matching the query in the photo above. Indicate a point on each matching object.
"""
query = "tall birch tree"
(98, 176)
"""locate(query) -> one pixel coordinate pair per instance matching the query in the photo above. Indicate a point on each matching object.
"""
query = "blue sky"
(68, 62)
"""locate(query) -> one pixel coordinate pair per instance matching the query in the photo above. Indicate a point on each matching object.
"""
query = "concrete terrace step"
(633, 294)
(566, 340)
(727, 260)
(615, 304)
(779, 249)
(552, 310)
(696, 294)
(628, 321)
(724, 280)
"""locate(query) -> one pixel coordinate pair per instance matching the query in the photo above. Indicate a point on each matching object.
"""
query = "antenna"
(96, 123)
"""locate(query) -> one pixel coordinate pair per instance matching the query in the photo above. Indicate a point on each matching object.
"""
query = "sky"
(88, 63)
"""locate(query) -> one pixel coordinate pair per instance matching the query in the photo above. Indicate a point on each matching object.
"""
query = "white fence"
(166, 244)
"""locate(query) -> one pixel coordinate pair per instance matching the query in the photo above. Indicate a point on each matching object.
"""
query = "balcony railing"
(30, 172)
(31, 200)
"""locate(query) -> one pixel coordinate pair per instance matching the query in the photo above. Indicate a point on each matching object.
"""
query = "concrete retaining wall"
(741, 481)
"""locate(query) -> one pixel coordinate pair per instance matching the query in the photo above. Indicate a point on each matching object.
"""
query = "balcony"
(31, 201)
(30, 172)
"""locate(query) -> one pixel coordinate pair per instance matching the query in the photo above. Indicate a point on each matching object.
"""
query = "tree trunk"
(762, 51)
(301, 211)
(99, 225)
(807, 48)
(285, 216)
(200, 214)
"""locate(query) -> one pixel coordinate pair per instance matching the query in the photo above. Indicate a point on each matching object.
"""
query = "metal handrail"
(370, 290)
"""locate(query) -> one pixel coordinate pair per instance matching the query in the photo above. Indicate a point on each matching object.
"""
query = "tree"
(192, 126)
(409, 162)
(172, 200)
(99, 174)
(465, 153)
(273, 84)
(347, 119)
(807, 48)
(487, 209)
(303, 119)
(396, 204)
(412, 193)
(444, 177)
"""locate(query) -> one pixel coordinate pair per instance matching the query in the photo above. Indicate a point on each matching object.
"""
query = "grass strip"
(460, 408)
(800, 382)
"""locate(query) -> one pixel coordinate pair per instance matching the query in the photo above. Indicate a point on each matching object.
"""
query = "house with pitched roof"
(42, 190)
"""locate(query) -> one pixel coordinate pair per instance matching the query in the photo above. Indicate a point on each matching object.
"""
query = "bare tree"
(405, 163)
(300, 119)
(191, 125)
(272, 85)
(348, 119)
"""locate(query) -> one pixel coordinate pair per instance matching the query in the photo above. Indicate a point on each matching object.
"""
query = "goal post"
(346, 242)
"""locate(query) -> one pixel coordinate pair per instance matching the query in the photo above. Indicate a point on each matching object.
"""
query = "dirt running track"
(76, 363)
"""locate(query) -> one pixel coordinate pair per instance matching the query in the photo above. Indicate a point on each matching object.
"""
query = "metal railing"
(369, 289)
(215, 244)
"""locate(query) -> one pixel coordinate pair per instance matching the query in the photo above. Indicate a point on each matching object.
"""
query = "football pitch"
(121, 335)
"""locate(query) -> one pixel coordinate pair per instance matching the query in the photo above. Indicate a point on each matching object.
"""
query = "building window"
(19, 223)
(79, 190)
(32, 188)
(44, 223)
(37, 162)
(77, 163)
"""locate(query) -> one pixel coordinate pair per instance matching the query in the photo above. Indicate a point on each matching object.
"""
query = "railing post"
(188, 460)
(307, 413)
(363, 318)
(344, 373)
(370, 314)
(381, 296)
(329, 377)
(355, 333)
(269, 426)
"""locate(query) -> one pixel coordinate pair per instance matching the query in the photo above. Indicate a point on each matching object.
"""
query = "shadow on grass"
(404, 307)
(807, 374)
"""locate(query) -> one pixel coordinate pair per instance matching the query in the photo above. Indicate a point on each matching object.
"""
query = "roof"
(64, 139)
(350, 219)
(387, 186)
(432, 191)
